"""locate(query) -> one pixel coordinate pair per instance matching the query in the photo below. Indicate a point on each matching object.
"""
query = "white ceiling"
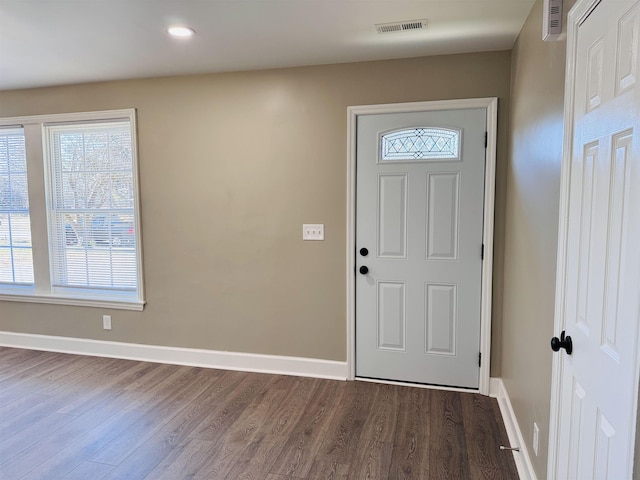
(53, 42)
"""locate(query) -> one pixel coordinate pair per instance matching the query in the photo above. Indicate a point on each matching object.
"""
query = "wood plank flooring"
(88, 418)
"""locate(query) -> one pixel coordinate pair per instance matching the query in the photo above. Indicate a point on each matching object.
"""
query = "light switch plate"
(313, 231)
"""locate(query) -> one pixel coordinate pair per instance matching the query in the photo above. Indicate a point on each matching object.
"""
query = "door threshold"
(418, 385)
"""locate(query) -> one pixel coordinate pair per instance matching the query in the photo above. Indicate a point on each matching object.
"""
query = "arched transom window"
(422, 143)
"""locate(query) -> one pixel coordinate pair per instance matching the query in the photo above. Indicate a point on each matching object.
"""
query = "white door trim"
(563, 224)
(578, 14)
(491, 104)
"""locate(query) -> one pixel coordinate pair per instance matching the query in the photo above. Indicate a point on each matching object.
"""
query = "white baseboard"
(247, 362)
(522, 458)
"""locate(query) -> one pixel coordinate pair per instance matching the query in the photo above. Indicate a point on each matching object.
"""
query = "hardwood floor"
(87, 418)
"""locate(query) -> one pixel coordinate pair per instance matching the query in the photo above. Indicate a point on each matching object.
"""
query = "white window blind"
(92, 209)
(16, 259)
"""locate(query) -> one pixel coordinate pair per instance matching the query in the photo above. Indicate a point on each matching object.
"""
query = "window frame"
(38, 161)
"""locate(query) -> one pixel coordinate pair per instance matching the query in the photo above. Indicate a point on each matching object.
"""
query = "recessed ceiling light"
(181, 32)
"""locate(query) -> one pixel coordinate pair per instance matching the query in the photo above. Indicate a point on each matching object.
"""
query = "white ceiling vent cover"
(401, 26)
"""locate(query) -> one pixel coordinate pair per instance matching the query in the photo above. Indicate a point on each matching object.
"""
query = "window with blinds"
(91, 214)
(16, 259)
(77, 239)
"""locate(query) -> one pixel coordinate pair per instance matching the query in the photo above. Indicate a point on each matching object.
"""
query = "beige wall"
(531, 227)
(231, 165)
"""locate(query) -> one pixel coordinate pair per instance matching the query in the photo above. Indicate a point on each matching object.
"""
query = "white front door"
(419, 232)
(594, 399)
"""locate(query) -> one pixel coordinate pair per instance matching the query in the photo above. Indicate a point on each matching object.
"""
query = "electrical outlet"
(313, 231)
(106, 322)
(536, 434)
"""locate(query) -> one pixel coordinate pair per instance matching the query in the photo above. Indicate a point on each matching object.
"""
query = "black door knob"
(364, 270)
(562, 342)
(364, 252)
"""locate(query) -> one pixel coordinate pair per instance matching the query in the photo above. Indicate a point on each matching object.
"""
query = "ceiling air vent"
(401, 26)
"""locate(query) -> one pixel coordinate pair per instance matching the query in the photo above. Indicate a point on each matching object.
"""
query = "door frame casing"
(578, 14)
(563, 223)
(491, 106)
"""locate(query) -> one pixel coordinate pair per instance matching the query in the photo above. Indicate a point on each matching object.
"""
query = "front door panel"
(420, 196)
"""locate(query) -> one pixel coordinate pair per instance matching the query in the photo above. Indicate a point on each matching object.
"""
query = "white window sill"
(119, 304)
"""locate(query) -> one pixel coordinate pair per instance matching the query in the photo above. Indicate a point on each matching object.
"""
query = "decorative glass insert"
(420, 143)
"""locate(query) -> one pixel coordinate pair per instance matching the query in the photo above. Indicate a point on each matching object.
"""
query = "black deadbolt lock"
(364, 252)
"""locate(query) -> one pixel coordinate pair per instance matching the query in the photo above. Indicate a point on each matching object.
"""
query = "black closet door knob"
(364, 252)
(364, 270)
(562, 342)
